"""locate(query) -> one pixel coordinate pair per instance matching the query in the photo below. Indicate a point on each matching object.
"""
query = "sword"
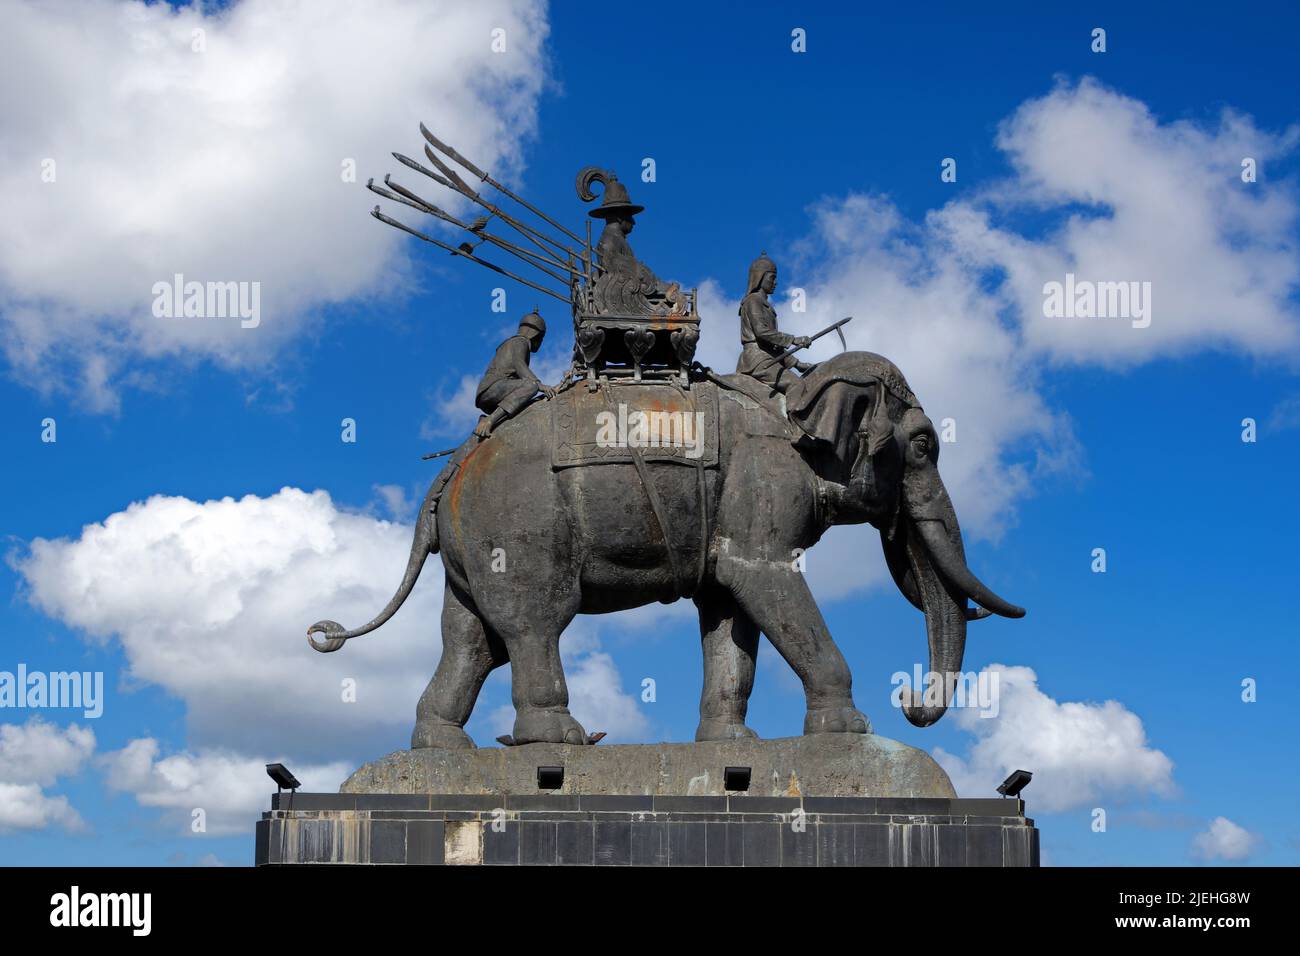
(811, 339)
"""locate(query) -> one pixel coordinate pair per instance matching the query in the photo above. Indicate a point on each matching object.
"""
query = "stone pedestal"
(559, 830)
(822, 765)
(826, 800)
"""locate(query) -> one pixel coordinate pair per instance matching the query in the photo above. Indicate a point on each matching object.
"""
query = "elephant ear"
(847, 395)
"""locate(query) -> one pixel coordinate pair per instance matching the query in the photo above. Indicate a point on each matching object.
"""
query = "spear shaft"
(461, 252)
(492, 182)
(423, 205)
(527, 231)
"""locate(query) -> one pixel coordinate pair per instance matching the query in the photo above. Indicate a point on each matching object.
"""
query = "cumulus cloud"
(33, 756)
(230, 789)
(1078, 751)
(956, 299)
(1224, 840)
(1137, 199)
(213, 144)
(211, 601)
(599, 703)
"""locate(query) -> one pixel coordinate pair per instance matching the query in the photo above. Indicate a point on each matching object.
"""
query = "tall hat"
(533, 320)
(616, 203)
(757, 269)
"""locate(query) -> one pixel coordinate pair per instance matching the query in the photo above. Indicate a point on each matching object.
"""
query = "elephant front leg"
(729, 640)
(776, 597)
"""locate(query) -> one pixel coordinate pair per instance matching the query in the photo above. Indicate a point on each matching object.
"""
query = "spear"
(477, 230)
(461, 252)
(443, 147)
(464, 188)
(526, 231)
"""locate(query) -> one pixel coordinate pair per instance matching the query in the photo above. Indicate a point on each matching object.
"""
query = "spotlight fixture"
(550, 778)
(282, 777)
(1012, 786)
(736, 779)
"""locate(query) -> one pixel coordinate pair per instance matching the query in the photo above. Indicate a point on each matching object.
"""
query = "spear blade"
(484, 177)
(440, 145)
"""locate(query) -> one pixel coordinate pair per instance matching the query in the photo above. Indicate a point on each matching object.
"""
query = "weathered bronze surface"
(541, 516)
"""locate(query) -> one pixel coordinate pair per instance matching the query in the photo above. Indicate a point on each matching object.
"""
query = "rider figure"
(509, 384)
(761, 342)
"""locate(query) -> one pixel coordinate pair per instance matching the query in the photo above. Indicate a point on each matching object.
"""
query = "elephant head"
(878, 454)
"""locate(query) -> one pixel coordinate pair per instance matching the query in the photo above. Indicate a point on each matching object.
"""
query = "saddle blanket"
(662, 421)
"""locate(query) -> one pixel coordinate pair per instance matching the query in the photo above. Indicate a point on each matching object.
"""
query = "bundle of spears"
(553, 258)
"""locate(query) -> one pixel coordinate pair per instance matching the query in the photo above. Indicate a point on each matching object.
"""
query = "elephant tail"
(423, 544)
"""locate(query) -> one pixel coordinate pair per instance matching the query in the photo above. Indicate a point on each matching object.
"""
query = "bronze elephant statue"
(527, 545)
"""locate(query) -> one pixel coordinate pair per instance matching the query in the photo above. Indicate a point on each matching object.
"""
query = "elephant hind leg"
(531, 633)
(469, 654)
(729, 641)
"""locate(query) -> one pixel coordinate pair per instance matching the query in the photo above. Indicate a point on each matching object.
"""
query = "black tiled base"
(540, 830)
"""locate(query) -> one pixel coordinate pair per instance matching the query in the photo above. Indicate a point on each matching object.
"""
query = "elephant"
(527, 546)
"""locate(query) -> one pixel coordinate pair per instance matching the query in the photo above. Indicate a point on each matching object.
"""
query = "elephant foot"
(836, 720)
(548, 726)
(439, 735)
(723, 728)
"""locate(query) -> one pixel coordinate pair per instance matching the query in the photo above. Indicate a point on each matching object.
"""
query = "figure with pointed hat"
(625, 276)
(762, 344)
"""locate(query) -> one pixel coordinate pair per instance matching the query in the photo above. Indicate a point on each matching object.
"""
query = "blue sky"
(1122, 165)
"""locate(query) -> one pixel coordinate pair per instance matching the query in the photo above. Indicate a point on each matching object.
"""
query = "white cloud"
(33, 756)
(396, 502)
(230, 789)
(1077, 751)
(599, 703)
(1137, 199)
(211, 601)
(38, 752)
(226, 164)
(1224, 840)
(23, 806)
(956, 299)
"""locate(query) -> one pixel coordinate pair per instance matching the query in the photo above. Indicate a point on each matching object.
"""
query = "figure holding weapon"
(764, 354)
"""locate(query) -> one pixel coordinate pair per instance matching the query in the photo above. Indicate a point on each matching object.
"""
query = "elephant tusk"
(956, 572)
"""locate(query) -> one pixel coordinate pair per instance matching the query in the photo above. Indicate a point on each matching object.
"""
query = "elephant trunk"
(929, 562)
(945, 627)
(423, 544)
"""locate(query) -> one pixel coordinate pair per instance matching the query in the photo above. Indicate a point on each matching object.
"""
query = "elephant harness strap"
(681, 586)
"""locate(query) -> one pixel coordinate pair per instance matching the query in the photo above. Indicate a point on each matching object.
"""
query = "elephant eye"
(922, 444)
